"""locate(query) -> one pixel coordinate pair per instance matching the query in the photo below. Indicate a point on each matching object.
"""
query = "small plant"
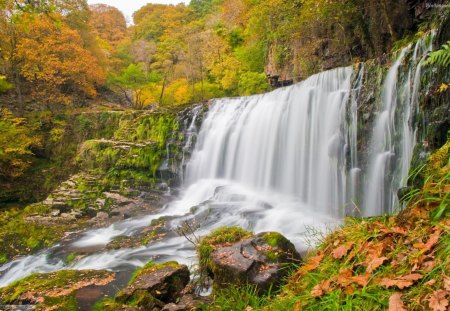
(440, 57)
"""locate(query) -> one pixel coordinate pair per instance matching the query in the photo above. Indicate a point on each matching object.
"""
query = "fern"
(440, 57)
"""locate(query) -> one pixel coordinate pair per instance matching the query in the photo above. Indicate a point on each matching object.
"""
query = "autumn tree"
(108, 23)
(52, 59)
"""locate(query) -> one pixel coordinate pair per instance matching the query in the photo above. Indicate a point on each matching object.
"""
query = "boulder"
(155, 284)
(187, 302)
(260, 260)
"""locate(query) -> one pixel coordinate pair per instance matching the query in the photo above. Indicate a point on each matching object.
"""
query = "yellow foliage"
(443, 87)
(54, 60)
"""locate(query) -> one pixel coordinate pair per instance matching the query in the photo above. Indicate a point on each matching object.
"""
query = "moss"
(18, 236)
(52, 290)
(71, 258)
(107, 304)
(274, 239)
(150, 267)
(220, 236)
(64, 303)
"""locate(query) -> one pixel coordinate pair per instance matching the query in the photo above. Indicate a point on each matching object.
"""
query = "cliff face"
(367, 32)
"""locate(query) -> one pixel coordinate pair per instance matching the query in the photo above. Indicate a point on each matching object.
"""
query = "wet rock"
(45, 291)
(126, 215)
(67, 216)
(164, 282)
(62, 206)
(18, 307)
(117, 198)
(102, 215)
(260, 260)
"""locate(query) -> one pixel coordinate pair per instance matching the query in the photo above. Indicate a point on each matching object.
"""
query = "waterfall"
(288, 141)
(394, 135)
(292, 160)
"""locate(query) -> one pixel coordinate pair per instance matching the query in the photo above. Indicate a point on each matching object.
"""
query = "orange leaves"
(438, 300)
(342, 250)
(346, 277)
(446, 282)
(55, 62)
(311, 264)
(375, 263)
(396, 303)
(432, 241)
(400, 281)
(322, 288)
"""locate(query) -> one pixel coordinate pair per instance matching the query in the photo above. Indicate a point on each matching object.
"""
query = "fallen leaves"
(342, 250)
(446, 282)
(313, 263)
(438, 300)
(432, 241)
(322, 288)
(375, 263)
(400, 281)
(396, 303)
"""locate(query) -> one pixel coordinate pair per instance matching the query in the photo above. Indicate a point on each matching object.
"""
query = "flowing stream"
(286, 161)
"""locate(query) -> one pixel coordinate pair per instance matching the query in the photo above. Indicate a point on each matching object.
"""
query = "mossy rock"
(55, 291)
(235, 257)
(220, 237)
(163, 282)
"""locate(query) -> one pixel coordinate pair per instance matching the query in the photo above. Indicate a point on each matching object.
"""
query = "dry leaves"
(321, 288)
(447, 282)
(400, 281)
(342, 250)
(396, 303)
(432, 241)
(346, 278)
(438, 300)
(312, 263)
(375, 263)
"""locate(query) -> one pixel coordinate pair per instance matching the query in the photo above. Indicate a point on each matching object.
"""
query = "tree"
(53, 60)
(108, 23)
(15, 145)
(4, 85)
(133, 82)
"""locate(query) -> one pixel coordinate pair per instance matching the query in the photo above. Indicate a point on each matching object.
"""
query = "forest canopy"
(62, 52)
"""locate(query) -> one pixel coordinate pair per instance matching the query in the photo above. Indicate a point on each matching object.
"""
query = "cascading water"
(284, 161)
(288, 141)
(394, 135)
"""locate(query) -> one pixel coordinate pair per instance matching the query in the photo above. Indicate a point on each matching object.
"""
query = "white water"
(288, 141)
(394, 135)
(285, 161)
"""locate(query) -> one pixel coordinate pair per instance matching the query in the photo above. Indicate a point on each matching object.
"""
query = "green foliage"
(16, 143)
(19, 236)
(440, 57)
(203, 7)
(253, 83)
(4, 85)
(240, 298)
